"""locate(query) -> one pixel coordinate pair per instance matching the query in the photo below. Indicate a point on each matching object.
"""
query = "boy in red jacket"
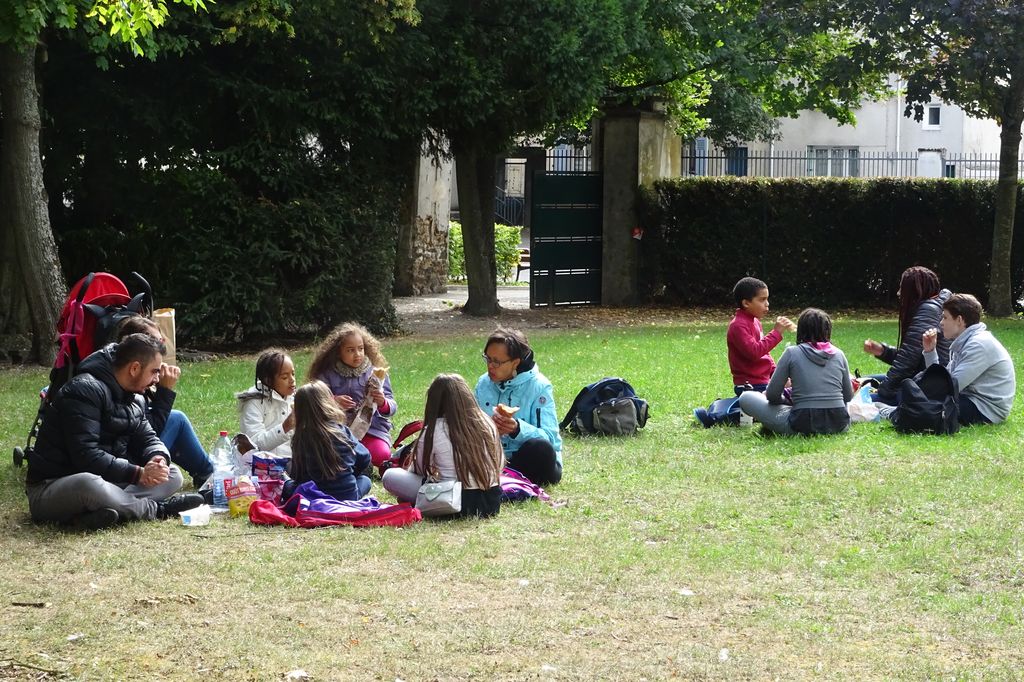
(750, 359)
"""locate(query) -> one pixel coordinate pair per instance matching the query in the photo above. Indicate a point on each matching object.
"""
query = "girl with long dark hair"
(458, 442)
(921, 300)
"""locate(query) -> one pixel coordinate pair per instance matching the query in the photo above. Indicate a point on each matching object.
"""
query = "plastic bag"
(862, 408)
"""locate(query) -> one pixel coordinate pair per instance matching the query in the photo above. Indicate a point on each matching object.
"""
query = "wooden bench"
(524, 262)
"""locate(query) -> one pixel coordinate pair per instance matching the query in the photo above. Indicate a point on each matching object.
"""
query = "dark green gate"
(565, 239)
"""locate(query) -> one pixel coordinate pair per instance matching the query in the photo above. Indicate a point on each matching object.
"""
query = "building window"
(836, 162)
(932, 117)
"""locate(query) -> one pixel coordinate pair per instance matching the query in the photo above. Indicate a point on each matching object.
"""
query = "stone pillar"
(535, 161)
(637, 147)
(421, 261)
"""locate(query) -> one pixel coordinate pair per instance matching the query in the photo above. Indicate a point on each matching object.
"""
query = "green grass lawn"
(681, 552)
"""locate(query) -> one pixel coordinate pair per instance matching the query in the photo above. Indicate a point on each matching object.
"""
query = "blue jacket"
(531, 392)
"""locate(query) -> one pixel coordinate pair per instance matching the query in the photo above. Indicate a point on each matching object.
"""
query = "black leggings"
(536, 460)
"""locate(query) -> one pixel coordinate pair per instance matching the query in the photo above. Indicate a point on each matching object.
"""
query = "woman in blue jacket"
(529, 436)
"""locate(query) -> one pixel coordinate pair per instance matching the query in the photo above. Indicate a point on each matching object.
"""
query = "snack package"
(270, 474)
(241, 495)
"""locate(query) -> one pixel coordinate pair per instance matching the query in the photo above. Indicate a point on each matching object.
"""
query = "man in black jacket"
(97, 460)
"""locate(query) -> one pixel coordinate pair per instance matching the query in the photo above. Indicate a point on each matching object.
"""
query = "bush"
(244, 268)
(506, 251)
(816, 241)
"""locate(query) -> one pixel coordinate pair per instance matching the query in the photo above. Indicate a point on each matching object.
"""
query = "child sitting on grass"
(265, 410)
(323, 449)
(352, 365)
(820, 376)
(750, 359)
(458, 443)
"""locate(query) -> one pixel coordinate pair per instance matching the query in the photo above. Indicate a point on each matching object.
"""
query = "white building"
(947, 142)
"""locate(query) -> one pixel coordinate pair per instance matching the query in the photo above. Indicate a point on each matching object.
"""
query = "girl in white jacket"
(265, 410)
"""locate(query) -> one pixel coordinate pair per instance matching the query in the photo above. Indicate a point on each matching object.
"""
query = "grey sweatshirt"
(821, 379)
(983, 371)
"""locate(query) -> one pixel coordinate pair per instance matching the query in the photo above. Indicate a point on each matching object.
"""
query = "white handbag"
(440, 498)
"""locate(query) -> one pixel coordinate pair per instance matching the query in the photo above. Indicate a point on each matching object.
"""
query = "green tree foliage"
(497, 70)
(966, 52)
(494, 70)
(728, 68)
(252, 179)
(34, 288)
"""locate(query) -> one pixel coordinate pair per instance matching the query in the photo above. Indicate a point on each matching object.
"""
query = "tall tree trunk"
(474, 173)
(15, 323)
(1000, 289)
(23, 204)
(405, 245)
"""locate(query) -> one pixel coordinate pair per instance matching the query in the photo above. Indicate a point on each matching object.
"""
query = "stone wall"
(421, 264)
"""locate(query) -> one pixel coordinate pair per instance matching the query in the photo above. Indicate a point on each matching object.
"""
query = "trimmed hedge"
(817, 241)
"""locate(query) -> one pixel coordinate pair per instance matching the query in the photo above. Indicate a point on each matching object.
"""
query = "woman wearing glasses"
(529, 431)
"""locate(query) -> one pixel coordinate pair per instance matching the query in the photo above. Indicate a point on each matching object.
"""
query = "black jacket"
(94, 426)
(907, 360)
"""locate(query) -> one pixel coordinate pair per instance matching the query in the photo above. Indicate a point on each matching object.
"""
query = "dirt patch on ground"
(440, 317)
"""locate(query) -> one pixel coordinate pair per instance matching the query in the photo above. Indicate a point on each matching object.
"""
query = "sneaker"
(177, 503)
(95, 520)
(702, 416)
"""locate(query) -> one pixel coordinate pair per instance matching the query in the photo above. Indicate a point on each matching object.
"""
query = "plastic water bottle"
(223, 469)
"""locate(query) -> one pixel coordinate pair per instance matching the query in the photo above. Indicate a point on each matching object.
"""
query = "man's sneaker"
(94, 520)
(177, 503)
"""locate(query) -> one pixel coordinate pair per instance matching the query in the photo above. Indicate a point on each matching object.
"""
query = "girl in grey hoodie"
(820, 377)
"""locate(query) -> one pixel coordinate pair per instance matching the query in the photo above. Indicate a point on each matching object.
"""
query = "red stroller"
(92, 311)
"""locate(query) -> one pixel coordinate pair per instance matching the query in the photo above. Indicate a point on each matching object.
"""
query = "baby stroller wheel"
(19, 457)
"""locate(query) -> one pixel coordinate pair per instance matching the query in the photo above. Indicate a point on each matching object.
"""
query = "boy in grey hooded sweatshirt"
(821, 384)
(982, 368)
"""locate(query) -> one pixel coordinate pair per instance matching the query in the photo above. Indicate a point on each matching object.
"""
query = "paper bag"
(164, 318)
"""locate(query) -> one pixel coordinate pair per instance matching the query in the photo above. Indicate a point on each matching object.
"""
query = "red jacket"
(749, 348)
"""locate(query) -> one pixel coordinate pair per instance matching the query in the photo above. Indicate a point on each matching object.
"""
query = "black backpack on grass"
(929, 404)
(607, 407)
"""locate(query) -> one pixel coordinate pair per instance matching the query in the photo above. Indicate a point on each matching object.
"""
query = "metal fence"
(835, 162)
(568, 159)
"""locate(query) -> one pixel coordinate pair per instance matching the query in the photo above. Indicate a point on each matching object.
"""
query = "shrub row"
(817, 241)
(244, 268)
(506, 251)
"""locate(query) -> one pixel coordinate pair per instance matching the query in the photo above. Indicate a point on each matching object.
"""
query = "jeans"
(760, 388)
(184, 446)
